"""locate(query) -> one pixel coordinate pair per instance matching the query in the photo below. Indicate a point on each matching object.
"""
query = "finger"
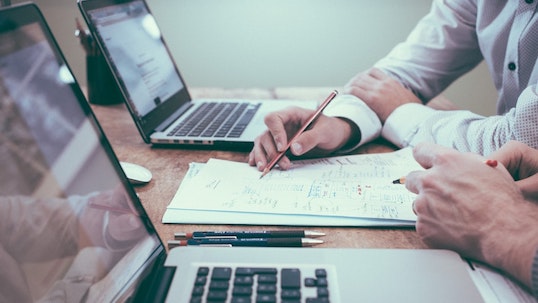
(518, 158)
(267, 151)
(305, 142)
(378, 74)
(263, 145)
(124, 227)
(412, 181)
(426, 153)
(276, 123)
(528, 187)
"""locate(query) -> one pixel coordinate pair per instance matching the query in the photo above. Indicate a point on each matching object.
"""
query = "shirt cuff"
(399, 128)
(356, 111)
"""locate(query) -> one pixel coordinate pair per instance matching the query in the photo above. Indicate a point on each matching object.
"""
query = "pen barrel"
(249, 234)
(257, 242)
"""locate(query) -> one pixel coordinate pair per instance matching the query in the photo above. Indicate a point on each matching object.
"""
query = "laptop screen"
(70, 228)
(135, 50)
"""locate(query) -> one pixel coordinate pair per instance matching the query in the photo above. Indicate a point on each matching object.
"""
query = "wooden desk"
(170, 165)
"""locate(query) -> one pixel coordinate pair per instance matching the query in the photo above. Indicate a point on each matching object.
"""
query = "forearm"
(464, 130)
(534, 275)
(513, 246)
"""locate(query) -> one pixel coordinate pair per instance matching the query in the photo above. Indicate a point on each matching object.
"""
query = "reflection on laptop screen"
(140, 58)
(69, 230)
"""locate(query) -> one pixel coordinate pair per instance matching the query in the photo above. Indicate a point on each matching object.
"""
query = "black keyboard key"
(243, 280)
(221, 273)
(241, 271)
(242, 291)
(202, 271)
(269, 279)
(266, 289)
(290, 294)
(219, 285)
(266, 299)
(322, 282)
(323, 292)
(198, 291)
(321, 273)
(291, 278)
(217, 296)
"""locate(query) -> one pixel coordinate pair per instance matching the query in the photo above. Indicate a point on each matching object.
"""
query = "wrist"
(352, 134)
(514, 244)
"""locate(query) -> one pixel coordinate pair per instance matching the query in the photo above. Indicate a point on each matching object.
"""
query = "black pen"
(249, 234)
(260, 242)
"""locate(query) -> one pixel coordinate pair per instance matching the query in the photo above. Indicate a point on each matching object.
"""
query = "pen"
(399, 181)
(259, 242)
(249, 234)
(488, 162)
(94, 205)
(308, 124)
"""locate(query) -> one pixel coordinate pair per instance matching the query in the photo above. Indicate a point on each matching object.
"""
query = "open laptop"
(154, 91)
(73, 230)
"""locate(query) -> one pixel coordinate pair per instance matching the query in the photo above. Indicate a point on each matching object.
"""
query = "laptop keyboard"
(216, 119)
(259, 284)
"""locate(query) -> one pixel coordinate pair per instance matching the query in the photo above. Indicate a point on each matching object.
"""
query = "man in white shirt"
(389, 99)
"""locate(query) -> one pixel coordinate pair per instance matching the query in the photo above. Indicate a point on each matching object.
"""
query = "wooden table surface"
(169, 165)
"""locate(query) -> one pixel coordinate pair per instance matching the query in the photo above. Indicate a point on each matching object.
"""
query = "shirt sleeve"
(28, 223)
(356, 111)
(464, 130)
(442, 47)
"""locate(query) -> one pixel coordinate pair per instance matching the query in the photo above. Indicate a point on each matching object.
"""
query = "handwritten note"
(346, 186)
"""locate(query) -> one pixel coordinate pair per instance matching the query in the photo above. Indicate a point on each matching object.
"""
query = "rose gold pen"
(309, 123)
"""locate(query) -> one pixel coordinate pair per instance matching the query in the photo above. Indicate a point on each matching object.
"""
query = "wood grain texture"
(169, 165)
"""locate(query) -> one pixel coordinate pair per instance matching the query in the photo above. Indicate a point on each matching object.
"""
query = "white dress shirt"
(447, 43)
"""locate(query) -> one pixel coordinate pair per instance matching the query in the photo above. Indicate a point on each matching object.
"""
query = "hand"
(474, 209)
(110, 221)
(522, 162)
(383, 94)
(327, 135)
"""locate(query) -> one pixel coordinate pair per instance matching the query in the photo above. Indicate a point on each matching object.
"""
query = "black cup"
(102, 88)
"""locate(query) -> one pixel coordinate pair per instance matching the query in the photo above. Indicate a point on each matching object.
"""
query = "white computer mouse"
(136, 174)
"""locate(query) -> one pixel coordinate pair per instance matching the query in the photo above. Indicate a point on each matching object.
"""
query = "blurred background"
(277, 43)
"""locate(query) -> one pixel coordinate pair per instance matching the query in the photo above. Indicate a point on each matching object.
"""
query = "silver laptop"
(73, 230)
(154, 91)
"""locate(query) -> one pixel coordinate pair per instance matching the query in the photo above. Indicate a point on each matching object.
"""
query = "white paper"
(347, 190)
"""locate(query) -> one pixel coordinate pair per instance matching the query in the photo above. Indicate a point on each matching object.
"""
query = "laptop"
(72, 228)
(154, 90)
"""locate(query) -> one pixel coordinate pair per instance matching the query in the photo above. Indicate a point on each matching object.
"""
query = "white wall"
(268, 43)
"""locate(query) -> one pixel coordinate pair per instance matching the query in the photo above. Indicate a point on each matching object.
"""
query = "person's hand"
(522, 162)
(327, 135)
(477, 210)
(380, 92)
(109, 220)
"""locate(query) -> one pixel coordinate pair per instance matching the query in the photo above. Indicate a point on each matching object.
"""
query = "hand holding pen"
(308, 124)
